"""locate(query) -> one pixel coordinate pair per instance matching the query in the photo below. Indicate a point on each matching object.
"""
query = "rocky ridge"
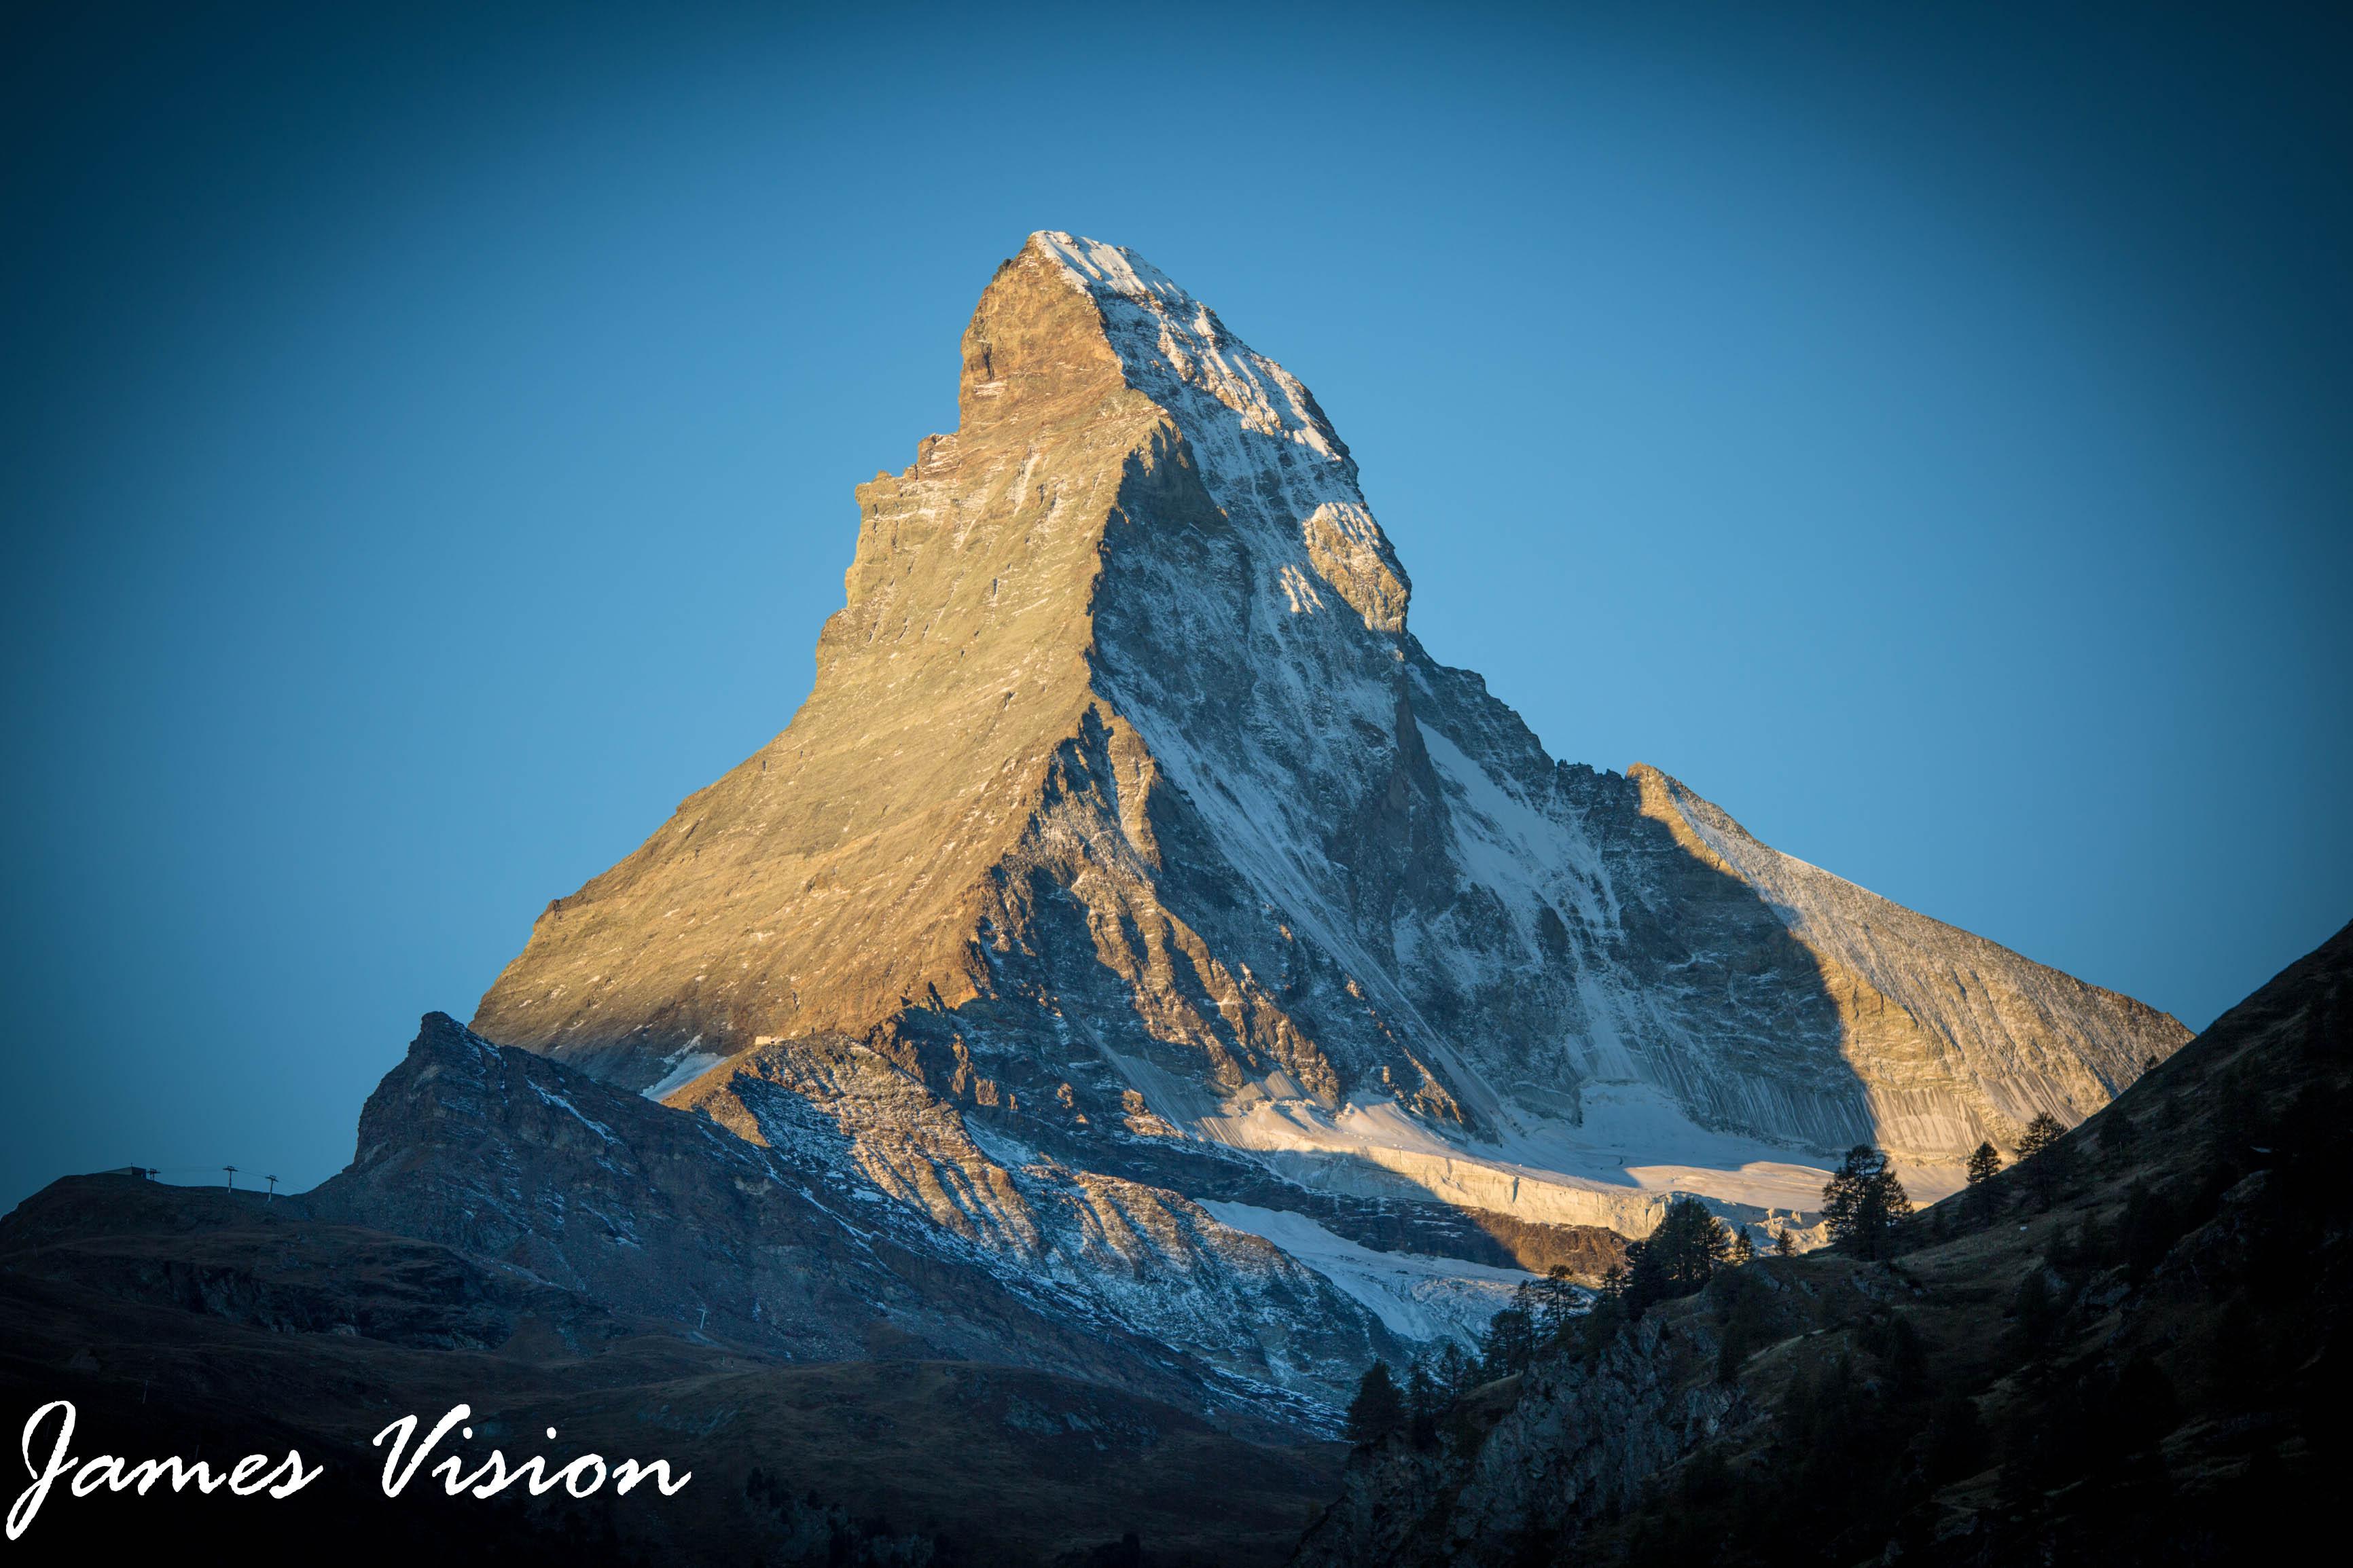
(784, 1245)
(2128, 1348)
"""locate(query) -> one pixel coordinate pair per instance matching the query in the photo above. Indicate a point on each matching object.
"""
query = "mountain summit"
(1133, 877)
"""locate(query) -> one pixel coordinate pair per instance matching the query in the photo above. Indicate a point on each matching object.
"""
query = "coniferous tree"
(2046, 1157)
(1745, 1319)
(1510, 1339)
(1452, 1367)
(1689, 1245)
(1556, 1305)
(1379, 1408)
(1600, 1325)
(2035, 1309)
(1646, 1279)
(1743, 1249)
(1985, 1163)
(2041, 1134)
(1905, 1358)
(1614, 1281)
(1677, 1257)
(1423, 1401)
(1862, 1202)
(1784, 1244)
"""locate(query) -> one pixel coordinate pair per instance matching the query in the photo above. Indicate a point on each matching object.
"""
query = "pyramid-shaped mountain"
(1133, 874)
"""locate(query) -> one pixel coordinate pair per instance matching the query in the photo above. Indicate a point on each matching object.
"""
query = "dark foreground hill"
(2128, 1349)
(209, 1325)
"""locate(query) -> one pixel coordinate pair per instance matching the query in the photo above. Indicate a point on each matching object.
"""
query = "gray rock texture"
(2142, 1326)
(555, 1181)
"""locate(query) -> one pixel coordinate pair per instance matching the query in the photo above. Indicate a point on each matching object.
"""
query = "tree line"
(1864, 1205)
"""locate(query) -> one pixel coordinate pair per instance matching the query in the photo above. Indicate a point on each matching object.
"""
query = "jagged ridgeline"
(1132, 879)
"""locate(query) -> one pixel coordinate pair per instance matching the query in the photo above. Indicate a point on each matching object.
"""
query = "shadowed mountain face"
(1129, 846)
(212, 1324)
(784, 1246)
(2129, 1349)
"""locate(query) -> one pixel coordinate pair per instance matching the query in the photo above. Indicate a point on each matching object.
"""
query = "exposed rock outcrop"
(783, 1242)
(2129, 1349)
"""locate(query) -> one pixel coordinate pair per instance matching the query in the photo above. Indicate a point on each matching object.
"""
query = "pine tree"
(1422, 1394)
(1907, 1359)
(1599, 1326)
(1784, 1244)
(1689, 1245)
(1985, 1162)
(2041, 1134)
(1451, 1368)
(1677, 1257)
(1646, 1279)
(1379, 1408)
(2045, 1158)
(1510, 1339)
(1423, 1401)
(1553, 1305)
(1743, 1249)
(1747, 1321)
(1862, 1202)
(2034, 1310)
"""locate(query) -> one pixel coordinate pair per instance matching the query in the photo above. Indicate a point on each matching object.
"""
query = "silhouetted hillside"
(2128, 1348)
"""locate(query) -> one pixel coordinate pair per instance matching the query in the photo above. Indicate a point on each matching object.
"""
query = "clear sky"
(427, 441)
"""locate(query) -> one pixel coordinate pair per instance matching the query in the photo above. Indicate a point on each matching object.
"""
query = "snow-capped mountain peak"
(1130, 857)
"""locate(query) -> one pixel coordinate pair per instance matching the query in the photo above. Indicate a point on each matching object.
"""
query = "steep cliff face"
(2129, 1349)
(1526, 1469)
(1143, 850)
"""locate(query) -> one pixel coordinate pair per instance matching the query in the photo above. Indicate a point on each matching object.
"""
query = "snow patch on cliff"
(685, 1066)
(1419, 1297)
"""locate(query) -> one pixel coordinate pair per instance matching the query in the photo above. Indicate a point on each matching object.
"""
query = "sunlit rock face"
(1129, 843)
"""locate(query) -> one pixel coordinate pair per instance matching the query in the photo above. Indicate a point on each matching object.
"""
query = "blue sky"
(427, 441)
